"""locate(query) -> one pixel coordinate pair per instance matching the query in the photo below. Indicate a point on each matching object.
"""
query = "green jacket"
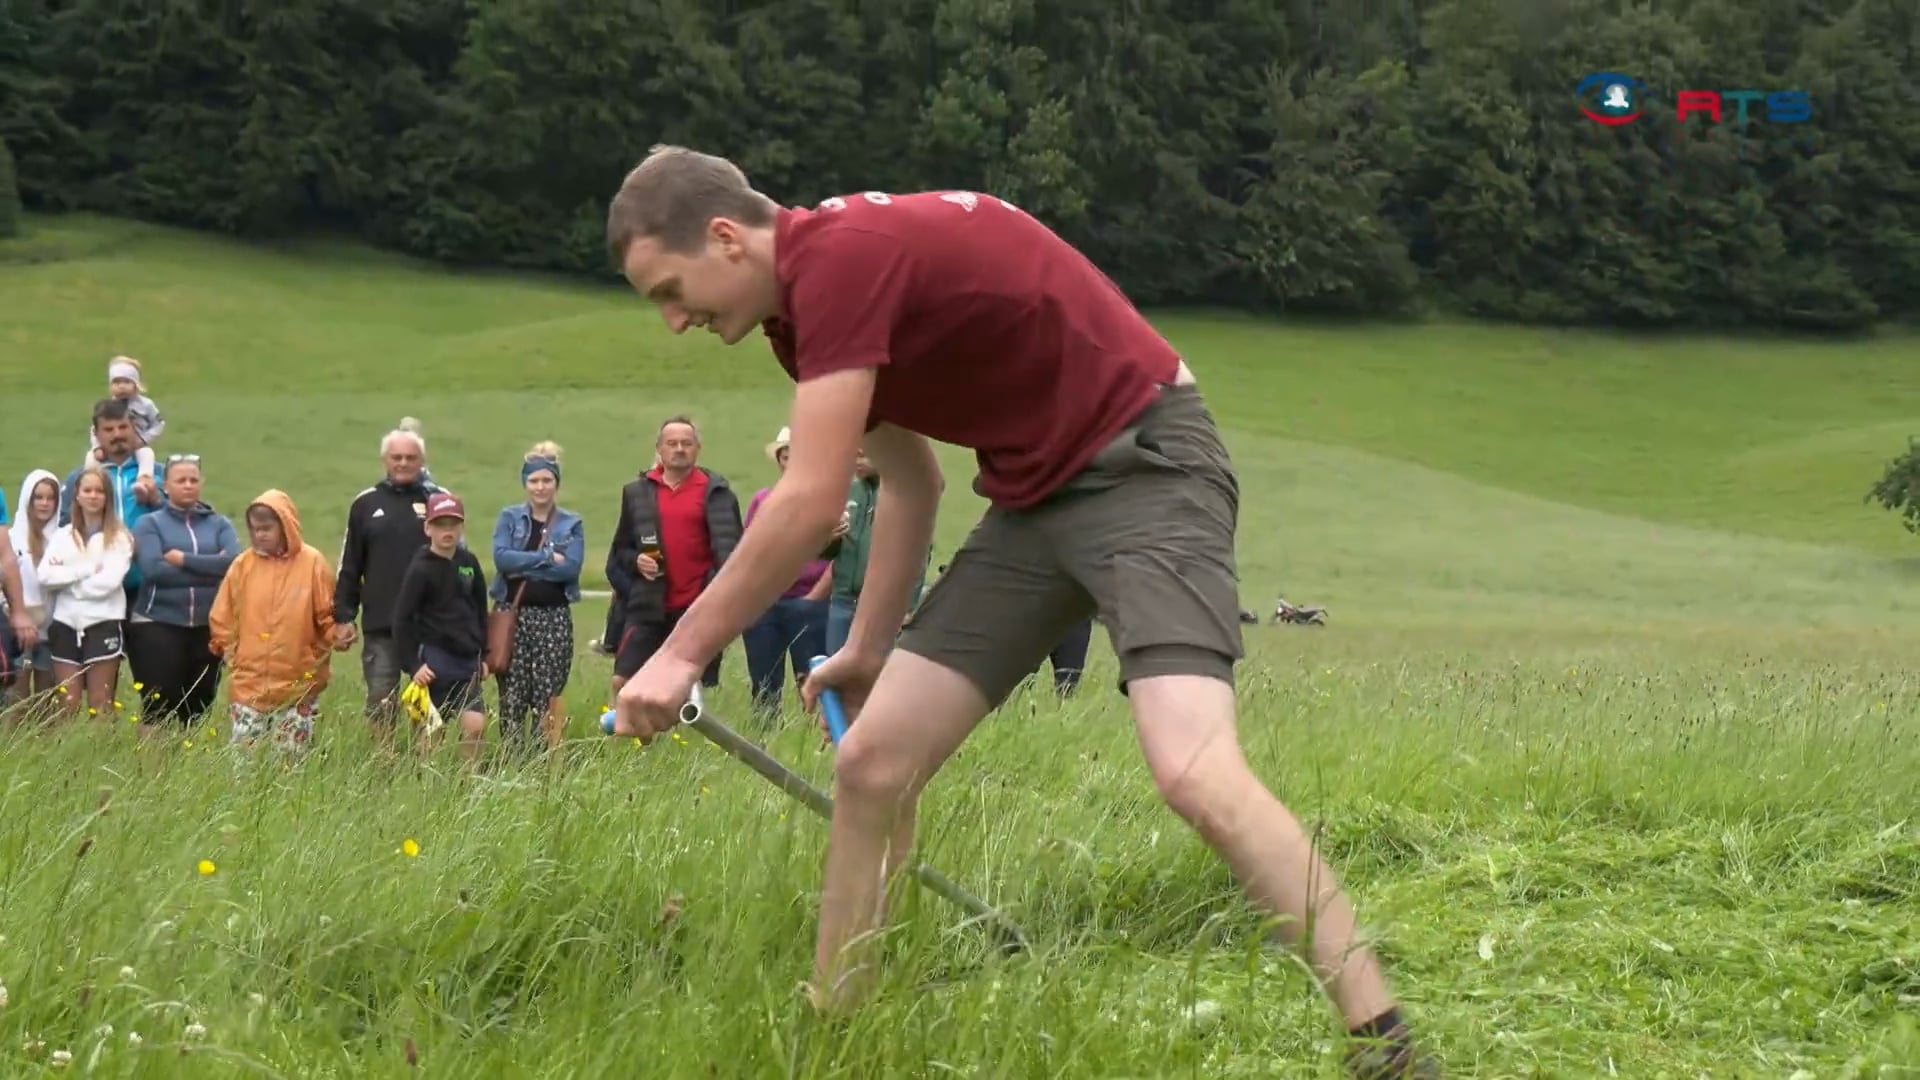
(850, 562)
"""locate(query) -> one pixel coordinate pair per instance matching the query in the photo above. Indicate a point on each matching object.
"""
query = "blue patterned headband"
(540, 464)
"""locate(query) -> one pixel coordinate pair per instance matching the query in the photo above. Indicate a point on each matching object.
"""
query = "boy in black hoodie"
(440, 621)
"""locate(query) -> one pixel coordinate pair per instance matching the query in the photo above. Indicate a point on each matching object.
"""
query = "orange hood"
(282, 506)
(273, 618)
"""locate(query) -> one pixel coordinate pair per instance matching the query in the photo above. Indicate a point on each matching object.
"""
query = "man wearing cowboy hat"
(795, 625)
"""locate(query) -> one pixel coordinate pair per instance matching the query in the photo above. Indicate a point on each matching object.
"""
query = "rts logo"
(1618, 98)
(1613, 99)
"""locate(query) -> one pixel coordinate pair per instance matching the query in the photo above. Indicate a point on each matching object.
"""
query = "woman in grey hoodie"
(183, 550)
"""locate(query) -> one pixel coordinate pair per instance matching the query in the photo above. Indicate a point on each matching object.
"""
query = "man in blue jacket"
(138, 493)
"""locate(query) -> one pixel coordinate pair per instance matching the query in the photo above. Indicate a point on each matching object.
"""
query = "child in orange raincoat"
(272, 621)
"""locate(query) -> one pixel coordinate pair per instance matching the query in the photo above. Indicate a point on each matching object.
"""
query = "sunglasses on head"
(193, 459)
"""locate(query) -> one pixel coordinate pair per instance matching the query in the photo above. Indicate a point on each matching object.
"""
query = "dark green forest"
(1367, 157)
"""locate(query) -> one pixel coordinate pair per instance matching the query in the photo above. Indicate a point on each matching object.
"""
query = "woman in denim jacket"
(537, 550)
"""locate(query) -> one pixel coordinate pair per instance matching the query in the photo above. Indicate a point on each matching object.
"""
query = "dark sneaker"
(1392, 1058)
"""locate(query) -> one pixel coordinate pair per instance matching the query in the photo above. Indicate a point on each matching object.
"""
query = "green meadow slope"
(1612, 734)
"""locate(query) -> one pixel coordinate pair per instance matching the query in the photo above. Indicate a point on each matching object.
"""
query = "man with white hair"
(386, 526)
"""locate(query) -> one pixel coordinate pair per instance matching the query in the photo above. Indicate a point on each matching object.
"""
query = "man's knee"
(1192, 750)
(918, 713)
(870, 770)
(379, 668)
(1197, 794)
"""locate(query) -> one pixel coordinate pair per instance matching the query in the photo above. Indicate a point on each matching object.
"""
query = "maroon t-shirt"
(989, 331)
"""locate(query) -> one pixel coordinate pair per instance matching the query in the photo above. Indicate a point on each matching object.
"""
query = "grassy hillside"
(1611, 736)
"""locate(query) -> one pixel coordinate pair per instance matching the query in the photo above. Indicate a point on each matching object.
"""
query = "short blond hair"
(671, 196)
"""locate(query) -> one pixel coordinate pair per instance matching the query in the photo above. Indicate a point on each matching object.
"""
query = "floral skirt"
(542, 662)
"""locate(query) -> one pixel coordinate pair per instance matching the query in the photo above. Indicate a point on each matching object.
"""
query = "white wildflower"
(196, 1031)
(126, 971)
(61, 1058)
(134, 1039)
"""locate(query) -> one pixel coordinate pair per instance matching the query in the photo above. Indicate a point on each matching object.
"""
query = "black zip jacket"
(385, 526)
(640, 516)
(442, 603)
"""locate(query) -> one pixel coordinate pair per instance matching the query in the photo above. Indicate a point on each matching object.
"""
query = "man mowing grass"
(956, 316)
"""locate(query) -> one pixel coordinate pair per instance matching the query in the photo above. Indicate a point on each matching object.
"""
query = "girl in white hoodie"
(83, 575)
(30, 534)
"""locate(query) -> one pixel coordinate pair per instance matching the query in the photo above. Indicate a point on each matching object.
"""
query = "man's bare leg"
(1186, 728)
(917, 715)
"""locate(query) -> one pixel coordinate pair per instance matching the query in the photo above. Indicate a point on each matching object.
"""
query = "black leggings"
(178, 676)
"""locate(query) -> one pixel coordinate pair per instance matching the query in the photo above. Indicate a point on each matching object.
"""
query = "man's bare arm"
(903, 515)
(793, 522)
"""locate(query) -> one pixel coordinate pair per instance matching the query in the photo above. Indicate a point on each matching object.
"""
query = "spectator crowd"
(120, 559)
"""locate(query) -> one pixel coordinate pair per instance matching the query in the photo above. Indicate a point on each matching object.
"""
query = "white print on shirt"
(966, 200)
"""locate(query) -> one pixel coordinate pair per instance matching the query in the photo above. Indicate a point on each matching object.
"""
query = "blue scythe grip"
(830, 705)
(606, 722)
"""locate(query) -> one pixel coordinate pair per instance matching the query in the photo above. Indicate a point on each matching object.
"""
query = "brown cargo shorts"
(1142, 537)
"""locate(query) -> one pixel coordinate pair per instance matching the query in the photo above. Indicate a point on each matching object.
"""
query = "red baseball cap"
(443, 504)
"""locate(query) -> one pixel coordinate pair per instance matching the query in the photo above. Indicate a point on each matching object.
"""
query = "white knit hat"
(124, 367)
